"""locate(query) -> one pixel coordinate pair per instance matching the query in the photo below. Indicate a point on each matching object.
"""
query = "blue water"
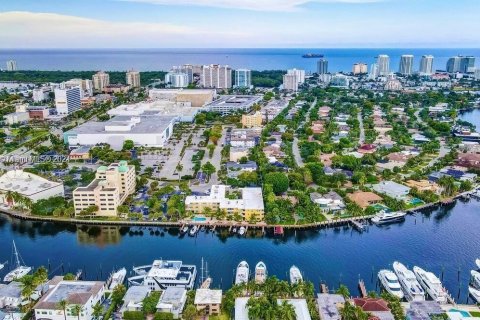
(443, 239)
(472, 116)
(256, 59)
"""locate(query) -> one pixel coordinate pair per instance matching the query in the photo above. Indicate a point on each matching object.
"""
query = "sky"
(239, 24)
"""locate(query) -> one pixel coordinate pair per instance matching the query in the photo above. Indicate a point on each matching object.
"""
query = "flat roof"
(208, 296)
(234, 101)
(74, 292)
(25, 183)
(148, 124)
(327, 305)
(300, 306)
(11, 290)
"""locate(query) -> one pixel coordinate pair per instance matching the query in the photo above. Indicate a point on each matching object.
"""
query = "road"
(442, 152)
(295, 148)
(361, 139)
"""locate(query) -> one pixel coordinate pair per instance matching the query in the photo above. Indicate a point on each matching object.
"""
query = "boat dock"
(361, 287)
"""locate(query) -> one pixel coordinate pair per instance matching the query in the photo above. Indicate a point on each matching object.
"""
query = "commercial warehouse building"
(230, 104)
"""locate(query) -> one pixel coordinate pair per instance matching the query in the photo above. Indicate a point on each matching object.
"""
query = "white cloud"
(256, 5)
(20, 29)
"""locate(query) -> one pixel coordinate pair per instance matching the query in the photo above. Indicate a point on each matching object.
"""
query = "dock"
(361, 287)
(359, 226)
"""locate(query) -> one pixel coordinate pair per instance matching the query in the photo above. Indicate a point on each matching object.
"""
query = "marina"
(325, 256)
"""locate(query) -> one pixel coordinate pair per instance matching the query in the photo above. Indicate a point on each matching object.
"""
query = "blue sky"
(238, 23)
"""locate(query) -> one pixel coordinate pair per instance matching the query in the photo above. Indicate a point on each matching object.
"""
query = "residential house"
(392, 189)
(317, 127)
(328, 202)
(377, 307)
(10, 295)
(234, 169)
(329, 306)
(423, 185)
(367, 149)
(132, 301)
(364, 198)
(173, 301)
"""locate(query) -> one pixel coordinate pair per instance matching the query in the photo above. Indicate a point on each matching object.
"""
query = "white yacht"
(241, 231)
(431, 284)
(2, 265)
(19, 269)
(475, 281)
(193, 231)
(164, 273)
(242, 273)
(388, 217)
(474, 293)
(477, 262)
(295, 275)
(117, 278)
(389, 281)
(411, 288)
(260, 272)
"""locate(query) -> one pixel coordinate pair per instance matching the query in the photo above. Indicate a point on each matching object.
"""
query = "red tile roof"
(371, 304)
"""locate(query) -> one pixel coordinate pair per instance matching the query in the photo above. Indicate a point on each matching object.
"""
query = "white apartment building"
(132, 79)
(290, 82)
(300, 74)
(111, 186)
(84, 293)
(100, 80)
(426, 65)
(359, 68)
(216, 76)
(11, 65)
(176, 80)
(67, 100)
(249, 206)
(243, 78)
(383, 63)
(85, 85)
(406, 64)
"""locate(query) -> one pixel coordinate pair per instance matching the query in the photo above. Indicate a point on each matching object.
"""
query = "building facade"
(453, 64)
(132, 79)
(111, 186)
(243, 78)
(176, 80)
(383, 63)
(426, 65)
(100, 81)
(406, 64)
(216, 76)
(67, 100)
(322, 66)
(360, 68)
(252, 120)
(11, 65)
(290, 82)
(299, 74)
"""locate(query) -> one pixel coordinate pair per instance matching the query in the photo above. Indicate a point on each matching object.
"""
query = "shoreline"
(222, 224)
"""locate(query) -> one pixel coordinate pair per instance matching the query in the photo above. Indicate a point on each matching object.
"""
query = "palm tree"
(9, 198)
(62, 304)
(287, 311)
(97, 310)
(343, 291)
(77, 309)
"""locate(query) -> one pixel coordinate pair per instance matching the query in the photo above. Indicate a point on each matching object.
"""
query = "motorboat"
(475, 293)
(260, 272)
(241, 231)
(477, 262)
(295, 275)
(184, 230)
(388, 217)
(411, 288)
(193, 231)
(2, 265)
(19, 270)
(389, 281)
(241, 275)
(234, 230)
(431, 284)
(117, 278)
(475, 281)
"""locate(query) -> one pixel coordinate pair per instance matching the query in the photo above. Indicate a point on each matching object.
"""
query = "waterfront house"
(364, 199)
(329, 202)
(329, 305)
(392, 189)
(469, 160)
(10, 295)
(424, 310)
(300, 306)
(132, 301)
(86, 294)
(208, 300)
(376, 307)
(173, 301)
(423, 185)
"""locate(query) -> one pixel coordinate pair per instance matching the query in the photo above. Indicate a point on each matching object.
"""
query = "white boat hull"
(17, 273)
(474, 293)
(397, 292)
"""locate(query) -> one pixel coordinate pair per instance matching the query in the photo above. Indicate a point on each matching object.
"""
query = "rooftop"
(25, 183)
(208, 296)
(12, 290)
(327, 305)
(74, 292)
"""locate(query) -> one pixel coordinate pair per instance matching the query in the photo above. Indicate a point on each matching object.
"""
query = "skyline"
(232, 24)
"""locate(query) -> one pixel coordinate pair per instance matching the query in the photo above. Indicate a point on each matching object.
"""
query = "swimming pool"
(199, 219)
(465, 314)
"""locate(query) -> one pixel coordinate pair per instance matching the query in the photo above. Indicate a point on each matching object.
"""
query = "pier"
(361, 287)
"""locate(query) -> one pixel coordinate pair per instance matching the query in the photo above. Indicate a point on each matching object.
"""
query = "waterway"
(443, 240)
(472, 116)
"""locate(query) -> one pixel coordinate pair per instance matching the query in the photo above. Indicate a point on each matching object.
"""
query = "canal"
(444, 240)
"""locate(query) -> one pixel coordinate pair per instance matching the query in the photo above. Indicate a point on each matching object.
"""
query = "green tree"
(127, 145)
(208, 168)
(190, 312)
(62, 305)
(278, 181)
(343, 291)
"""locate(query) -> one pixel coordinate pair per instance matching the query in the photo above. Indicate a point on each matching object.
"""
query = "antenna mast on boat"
(15, 253)
(201, 272)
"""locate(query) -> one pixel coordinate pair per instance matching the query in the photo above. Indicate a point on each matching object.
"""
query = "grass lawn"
(222, 316)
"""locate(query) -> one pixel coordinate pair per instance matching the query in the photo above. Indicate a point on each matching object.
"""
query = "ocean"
(255, 59)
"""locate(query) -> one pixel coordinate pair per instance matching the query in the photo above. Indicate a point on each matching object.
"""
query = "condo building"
(360, 68)
(100, 81)
(383, 63)
(252, 120)
(322, 66)
(132, 79)
(290, 82)
(176, 80)
(426, 65)
(406, 64)
(11, 65)
(67, 100)
(111, 186)
(299, 74)
(216, 76)
(243, 78)
(249, 206)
